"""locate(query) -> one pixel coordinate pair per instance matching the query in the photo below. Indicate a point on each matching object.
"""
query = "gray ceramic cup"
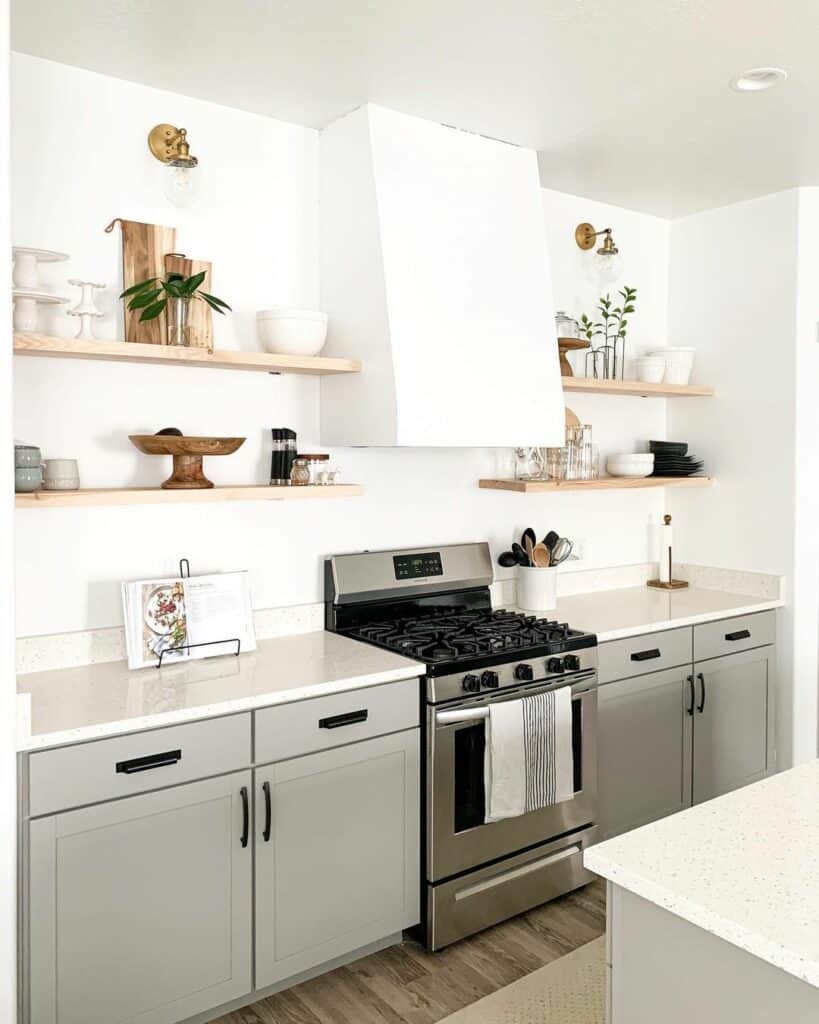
(26, 480)
(61, 475)
(27, 456)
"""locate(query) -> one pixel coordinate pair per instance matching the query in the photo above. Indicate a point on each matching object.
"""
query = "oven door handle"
(460, 716)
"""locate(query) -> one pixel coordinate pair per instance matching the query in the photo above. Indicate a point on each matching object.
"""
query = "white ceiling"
(627, 102)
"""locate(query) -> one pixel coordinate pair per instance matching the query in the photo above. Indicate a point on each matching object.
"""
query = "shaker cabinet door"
(733, 723)
(140, 909)
(337, 855)
(644, 749)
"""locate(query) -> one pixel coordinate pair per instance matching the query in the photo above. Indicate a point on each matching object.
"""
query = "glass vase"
(178, 319)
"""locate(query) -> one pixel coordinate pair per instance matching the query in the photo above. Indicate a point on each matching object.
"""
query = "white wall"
(743, 292)
(8, 717)
(258, 225)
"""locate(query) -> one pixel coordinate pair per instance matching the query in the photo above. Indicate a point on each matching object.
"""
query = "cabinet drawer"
(322, 722)
(103, 770)
(653, 652)
(727, 636)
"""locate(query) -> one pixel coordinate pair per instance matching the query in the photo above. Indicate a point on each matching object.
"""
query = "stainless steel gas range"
(434, 605)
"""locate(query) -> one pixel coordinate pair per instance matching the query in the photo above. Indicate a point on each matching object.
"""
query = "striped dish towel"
(528, 758)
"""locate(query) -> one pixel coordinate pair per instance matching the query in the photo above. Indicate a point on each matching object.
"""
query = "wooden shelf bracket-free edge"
(157, 496)
(165, 355)
(604, 483)
(637, 388)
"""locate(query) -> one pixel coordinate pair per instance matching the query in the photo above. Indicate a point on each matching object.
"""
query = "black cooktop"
(453, 639)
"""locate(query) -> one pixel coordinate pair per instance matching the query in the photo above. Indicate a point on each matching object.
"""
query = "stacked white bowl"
(679, 362)
(634, 464)
(296, 332)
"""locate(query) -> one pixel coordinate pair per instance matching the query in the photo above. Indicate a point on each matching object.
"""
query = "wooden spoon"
(541, 556)
(530, 547)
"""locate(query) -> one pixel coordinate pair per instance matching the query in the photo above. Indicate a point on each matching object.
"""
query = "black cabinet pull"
(646, 655)
(741, 634)
(337, 721)
(145, 764)
(701, 705)
(268, 812)
(245, 816)
(690, 709)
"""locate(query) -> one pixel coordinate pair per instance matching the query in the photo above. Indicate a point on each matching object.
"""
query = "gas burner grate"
(456, 636)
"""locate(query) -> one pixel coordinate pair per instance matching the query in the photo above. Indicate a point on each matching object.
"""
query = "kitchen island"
(714, 912)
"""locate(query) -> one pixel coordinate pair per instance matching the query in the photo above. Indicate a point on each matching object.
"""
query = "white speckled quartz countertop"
(744, 867)
(614, 614)
(77, 704)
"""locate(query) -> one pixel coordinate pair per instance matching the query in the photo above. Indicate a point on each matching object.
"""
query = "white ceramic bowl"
(636, 464)
(292, 332)
(650, 369)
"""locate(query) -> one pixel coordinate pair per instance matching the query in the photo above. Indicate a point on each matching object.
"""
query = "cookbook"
(181, 619)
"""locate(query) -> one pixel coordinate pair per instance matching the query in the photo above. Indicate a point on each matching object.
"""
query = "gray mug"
(27, 479)
(27, 456)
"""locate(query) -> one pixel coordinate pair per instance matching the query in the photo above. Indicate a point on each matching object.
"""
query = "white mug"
(61, 475)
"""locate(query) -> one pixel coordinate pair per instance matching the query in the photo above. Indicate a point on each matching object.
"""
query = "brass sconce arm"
(170, 146)
(585, 236)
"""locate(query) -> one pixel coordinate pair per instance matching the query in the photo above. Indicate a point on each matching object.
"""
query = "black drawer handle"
(268, 812)
(245, 817)
(690, 708)
(350, 718)
(646, 655)
(741, 634)
(701, 705)
(145, 764)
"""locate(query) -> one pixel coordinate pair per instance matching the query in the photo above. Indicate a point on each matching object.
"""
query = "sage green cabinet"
(340, 865)
(687, 734)
(733, 722)
(644, 749)
(140, 909)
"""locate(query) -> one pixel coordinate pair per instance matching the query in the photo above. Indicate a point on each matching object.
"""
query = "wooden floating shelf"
(603, 483)
(157, 496)
(593, 386)
(171, 355)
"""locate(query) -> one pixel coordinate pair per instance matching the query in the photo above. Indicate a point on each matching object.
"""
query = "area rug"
(571, 990)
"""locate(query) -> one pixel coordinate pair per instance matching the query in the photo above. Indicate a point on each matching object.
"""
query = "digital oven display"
(416, 567)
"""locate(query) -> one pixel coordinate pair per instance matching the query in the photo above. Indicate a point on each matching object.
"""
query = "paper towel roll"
(664, 555)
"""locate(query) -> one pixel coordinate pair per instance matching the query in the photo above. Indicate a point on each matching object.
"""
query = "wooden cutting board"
(200, 316)
(143, 255)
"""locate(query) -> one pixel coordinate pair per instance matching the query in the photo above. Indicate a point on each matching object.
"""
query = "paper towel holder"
(672, 584)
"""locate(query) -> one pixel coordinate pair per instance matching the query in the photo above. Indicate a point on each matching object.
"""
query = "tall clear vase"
(178, 317)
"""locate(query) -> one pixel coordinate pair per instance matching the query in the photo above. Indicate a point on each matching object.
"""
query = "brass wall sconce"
(607, 257)
(171, 147)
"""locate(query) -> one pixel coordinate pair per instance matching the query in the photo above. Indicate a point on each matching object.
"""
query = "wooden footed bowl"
(187, 453)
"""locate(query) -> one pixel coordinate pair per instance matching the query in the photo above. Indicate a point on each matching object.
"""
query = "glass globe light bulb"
(608, 266)
(181, 184)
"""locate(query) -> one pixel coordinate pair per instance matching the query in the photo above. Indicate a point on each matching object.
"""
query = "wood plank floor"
(407, 985)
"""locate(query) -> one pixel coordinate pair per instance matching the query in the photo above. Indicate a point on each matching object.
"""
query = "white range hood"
(435, 272)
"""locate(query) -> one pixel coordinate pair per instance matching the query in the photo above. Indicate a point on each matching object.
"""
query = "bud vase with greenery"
(172, 296)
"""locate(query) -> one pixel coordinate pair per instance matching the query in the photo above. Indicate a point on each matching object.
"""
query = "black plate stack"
(671, 458)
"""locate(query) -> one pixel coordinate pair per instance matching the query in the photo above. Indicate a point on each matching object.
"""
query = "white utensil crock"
(537, 589)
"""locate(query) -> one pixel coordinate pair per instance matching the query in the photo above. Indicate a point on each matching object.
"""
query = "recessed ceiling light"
(756, 79)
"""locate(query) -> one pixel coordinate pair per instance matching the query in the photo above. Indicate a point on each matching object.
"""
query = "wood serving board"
(143, 256)
(200, 316)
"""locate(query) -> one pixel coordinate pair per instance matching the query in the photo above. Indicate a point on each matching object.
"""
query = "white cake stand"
(85, 309)
(26, 273)
(26, 316)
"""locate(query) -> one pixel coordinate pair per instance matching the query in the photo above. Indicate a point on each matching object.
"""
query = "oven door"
(458, 838)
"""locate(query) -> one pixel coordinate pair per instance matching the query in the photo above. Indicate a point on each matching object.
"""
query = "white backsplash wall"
(256, 221)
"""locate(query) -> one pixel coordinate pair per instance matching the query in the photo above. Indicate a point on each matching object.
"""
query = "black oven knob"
(524, 672)
(490, 680)
(572, 662)
(471, 683)
(554, 665)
